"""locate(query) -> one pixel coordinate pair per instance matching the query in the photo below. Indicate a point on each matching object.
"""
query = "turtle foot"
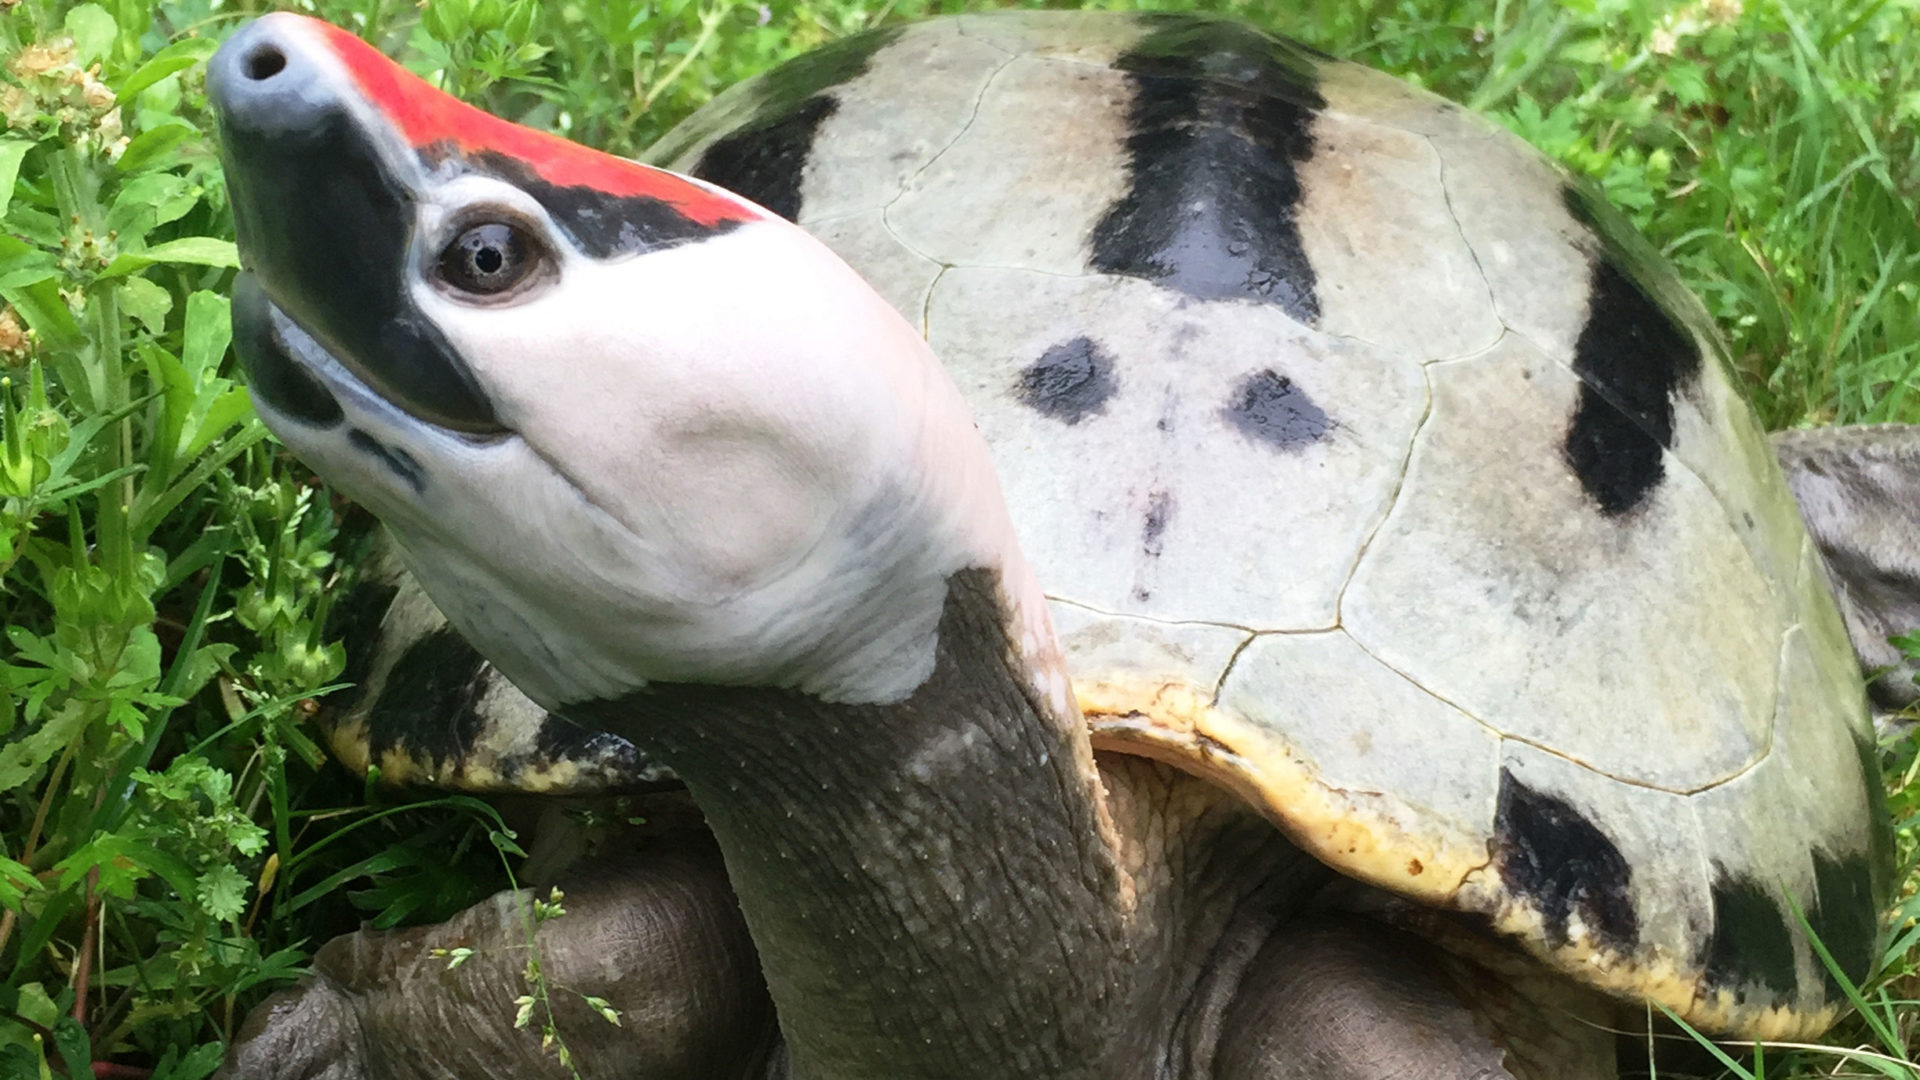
(654, 939)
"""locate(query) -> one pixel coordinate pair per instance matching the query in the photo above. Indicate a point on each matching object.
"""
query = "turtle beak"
(325, 193)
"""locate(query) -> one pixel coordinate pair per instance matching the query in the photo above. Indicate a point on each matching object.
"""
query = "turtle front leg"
(659, 937)
(1347, 998)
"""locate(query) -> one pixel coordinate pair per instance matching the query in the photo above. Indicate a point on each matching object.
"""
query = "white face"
(629, 433)
(726, 461)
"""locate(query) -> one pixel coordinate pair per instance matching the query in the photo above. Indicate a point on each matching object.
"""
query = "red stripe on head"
(426, 116)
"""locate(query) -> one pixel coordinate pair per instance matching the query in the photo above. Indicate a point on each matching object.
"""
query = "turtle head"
(626, 427)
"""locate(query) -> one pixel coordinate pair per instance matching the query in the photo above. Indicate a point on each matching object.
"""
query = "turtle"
(1439, 622)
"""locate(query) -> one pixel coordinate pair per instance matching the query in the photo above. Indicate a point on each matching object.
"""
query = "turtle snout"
(270, 80)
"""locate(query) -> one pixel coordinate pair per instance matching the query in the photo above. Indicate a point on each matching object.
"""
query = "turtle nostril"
(264, 63)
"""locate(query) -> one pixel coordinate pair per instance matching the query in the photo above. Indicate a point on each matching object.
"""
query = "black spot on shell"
(600, 225)
(1845, 916)
(1752, 944)
(1550, 853)
(1159, 513)
(1070, 382)
(1221, 116)
(429, 706)
(397, 461)
(764, 156)
(1268, 408)
(1633, 356)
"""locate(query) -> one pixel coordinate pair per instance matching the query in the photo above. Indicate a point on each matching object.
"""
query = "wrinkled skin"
(654, 933)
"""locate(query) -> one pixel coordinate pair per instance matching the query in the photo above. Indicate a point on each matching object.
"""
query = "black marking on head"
(1159, 512)
(1550, 853)
(326, 227)
(1633, 357)
(273, 376)
(1845, 916)
(600, 225)
(429, 707)
(1070, 382)
(1268, 408)
(1752, 943)
(1222, 115)
(397, 460)
(764, 155)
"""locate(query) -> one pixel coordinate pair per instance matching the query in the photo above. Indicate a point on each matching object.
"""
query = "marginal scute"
(1548, 851)
(1752, 948)
(1424, 777)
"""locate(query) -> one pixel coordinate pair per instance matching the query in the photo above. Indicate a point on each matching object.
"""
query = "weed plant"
(173, 844)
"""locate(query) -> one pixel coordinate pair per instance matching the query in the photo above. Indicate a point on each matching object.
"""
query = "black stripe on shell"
(1845, 916)
(765, 157)
(600, 225)
(1752, 944)
(1633, 357)
(1549, 853)
(428, 709)
(1222, 115)
(1070, 382)
(355, 620)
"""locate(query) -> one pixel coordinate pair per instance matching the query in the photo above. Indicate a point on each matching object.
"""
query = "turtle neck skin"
(938, 868)
(935, 887)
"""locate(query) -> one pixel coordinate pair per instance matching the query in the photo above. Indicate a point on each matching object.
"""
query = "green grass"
(172, 843)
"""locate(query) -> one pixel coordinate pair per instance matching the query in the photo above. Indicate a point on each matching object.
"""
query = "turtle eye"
(489, 259)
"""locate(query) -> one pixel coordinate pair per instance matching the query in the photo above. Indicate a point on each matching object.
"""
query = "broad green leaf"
(93, 32)
(178, 56)
(208, 333)
(222, 892)
(11, 151)
(16, 881)
(148, 147)
(147, 303)
(46, 313)
(192, 250)
(22, 759)
(20, 271)
(149, 200)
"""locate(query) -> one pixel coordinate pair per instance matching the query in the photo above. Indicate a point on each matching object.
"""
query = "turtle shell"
(1376, 469)
(422, 706)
